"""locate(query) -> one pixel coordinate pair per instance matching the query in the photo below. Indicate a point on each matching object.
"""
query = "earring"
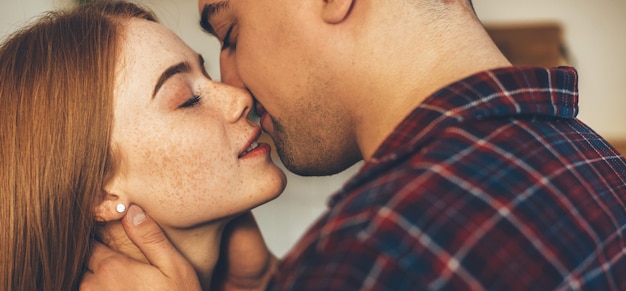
(120, 208)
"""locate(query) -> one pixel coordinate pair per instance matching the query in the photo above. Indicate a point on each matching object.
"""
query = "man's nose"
(228, 69)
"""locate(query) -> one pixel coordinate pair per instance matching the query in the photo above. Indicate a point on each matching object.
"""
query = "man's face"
(273, 49)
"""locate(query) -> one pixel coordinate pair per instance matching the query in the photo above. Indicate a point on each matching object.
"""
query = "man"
(477, 175)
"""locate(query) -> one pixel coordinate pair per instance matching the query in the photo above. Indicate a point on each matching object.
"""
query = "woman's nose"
(239, 105)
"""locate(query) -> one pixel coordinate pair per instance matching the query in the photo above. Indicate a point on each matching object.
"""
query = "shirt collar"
(494, 93)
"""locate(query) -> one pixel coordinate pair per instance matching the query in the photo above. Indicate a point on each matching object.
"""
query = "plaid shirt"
(490, 184)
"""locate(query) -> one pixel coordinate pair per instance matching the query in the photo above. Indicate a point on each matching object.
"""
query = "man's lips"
(263, 116)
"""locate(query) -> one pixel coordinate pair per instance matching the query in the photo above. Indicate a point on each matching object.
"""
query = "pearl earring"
(120, 208)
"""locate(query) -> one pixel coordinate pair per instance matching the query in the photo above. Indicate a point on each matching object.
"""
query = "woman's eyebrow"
(181, 67)
(209, 11)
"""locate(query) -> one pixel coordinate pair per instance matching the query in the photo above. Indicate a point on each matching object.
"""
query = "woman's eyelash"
(191, 102)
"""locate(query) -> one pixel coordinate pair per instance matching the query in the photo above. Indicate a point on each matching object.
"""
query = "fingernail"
(136, 215)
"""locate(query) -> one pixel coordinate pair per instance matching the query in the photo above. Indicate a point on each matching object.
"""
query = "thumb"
(150, 239)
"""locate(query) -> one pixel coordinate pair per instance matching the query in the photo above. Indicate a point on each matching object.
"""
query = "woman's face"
(184, 139)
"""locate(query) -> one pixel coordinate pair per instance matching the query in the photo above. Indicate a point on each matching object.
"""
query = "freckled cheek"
(191, 184)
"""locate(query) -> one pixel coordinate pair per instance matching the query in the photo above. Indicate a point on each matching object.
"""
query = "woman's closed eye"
(190, 102)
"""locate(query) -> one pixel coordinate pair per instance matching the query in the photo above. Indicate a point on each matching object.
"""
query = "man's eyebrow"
(171, 71)
(209, 11)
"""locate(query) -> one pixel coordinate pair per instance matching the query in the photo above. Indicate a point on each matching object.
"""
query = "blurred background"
(585, 34)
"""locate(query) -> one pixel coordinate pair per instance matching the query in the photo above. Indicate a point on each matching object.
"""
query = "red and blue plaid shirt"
(490, 184)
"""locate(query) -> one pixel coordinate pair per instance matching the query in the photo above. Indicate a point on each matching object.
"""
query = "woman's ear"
(335, 11)
(111, 207)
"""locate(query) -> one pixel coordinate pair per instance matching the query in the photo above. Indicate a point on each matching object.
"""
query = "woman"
(103, 108)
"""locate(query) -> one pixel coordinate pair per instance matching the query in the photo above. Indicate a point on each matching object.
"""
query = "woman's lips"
(252, 142)
(260, 149)
(250, 148)
(255, 148)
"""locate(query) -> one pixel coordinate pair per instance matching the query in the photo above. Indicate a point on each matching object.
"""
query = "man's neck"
(422, 68)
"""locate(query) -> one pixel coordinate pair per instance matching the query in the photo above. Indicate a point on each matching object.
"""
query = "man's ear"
(107, 209)
(336, 11)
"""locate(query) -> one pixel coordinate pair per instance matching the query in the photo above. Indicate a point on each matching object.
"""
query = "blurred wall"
(596, 42)
(593, 35)
(15, 13)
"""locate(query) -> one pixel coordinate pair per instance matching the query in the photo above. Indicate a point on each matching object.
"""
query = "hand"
(168, 269)
(245, 261)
